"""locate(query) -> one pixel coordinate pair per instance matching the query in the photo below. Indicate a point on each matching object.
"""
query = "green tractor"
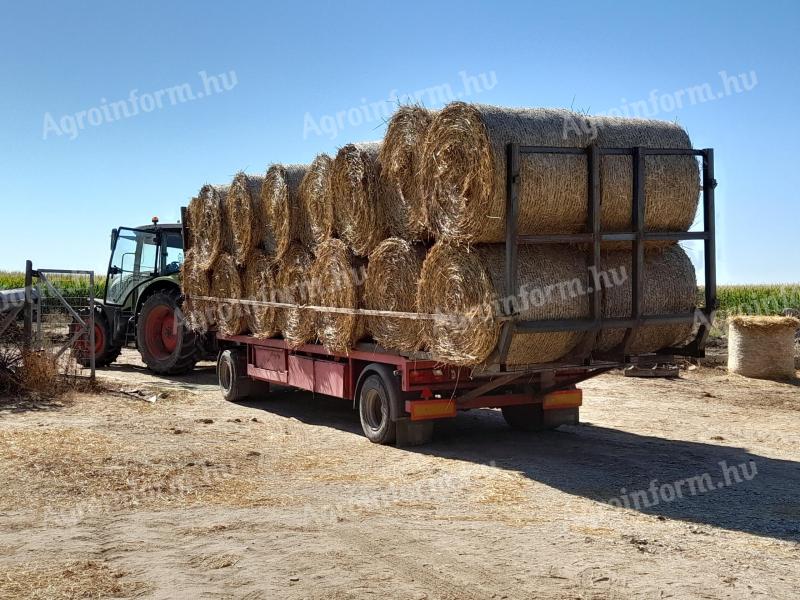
(141, 305)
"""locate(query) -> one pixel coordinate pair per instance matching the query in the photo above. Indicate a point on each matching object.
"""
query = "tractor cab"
(142, 302)
(140, 256)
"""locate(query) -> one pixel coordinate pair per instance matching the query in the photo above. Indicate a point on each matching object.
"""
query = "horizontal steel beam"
(621, 236)
(610, 323)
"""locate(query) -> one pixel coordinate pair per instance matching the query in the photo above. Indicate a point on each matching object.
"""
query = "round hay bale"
(210, 233)
(281, 197)
(226, 284)
(672, 183)
(317, 199)
(338, 281)
(195, 282)
(401, 161)
(394, 270)
(294, 287)
(471, 284)
(259, 281)
(244, 216)
(360, 197)
(463, 176)
(762, 347)
(670, 286)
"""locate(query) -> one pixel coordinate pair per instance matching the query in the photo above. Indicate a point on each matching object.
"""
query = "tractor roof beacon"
(142, 302)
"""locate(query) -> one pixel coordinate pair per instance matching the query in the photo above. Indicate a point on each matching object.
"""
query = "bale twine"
(294, 287)
(762, 347)
(361, 197)
(471, 284)
(401, 160)
(195, 282)
(670, 286)
(463, 176)
(226, 284)
(317, 199)
(210, 234)
(338, 281)
(394, 270)
(672, 183)
(244, 215)
(281, 197)
(259, 282)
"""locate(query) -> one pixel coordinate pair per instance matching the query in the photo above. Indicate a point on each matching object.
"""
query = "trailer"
(400, 396)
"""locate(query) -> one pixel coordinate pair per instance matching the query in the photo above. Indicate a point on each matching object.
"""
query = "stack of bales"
(416, 224)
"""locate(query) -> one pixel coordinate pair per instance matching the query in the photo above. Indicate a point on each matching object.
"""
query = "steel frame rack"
(638, 236)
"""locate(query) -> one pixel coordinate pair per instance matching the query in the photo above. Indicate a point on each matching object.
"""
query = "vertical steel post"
(27, 328)
(90, 325)
(637, 258)
(594, 219)
(512, 250)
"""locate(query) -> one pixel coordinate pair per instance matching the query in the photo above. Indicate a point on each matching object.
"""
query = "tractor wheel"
(105, 351)
(167, 345)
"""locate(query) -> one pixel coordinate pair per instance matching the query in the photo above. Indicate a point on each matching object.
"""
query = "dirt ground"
(160, 489)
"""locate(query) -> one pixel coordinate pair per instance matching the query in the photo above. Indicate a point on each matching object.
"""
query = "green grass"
(75, 286)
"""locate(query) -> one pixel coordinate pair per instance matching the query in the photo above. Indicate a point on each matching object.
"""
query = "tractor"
(141, 304)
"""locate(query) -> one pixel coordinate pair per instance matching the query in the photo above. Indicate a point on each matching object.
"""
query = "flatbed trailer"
(399, 396)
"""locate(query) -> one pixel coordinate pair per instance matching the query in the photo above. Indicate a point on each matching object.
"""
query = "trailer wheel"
(375, 411)
(234, 382)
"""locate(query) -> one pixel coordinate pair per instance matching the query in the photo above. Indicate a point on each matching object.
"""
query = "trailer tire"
(234, 382)
(525, 417)
(374, 409)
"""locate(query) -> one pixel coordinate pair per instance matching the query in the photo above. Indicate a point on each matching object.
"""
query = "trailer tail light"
(436, 375)
(430, 409)
(563, 399)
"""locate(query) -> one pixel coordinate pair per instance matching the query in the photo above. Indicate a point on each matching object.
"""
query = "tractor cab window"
(132, 262)
(171, 252)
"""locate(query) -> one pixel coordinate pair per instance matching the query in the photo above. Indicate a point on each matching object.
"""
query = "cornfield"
(10, 280)
(759, 299)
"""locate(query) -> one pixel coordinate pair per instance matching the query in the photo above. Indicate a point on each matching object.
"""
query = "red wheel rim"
(160, 332)
(82, 344)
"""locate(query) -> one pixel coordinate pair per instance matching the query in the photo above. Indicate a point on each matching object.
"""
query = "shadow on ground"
(606, 465)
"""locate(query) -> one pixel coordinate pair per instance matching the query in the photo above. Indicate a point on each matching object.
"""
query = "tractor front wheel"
(167, 345)
(105, 351)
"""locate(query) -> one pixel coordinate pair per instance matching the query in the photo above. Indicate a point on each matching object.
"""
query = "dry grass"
(765, 323)
(226, 283)
(361, 197)
(70, 580)
(195, 282)
(209, 233)
(317, 198)
(259, 284)
(401, 159)
(338, 277)
(293, 279)
(762, 347)
(244, 215)
(394, 270)
(281, 197)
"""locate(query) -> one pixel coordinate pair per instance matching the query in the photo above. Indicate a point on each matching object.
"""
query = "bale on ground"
(259, 282)
(394, 270)
(463, 176)
(195, 282)
(361, 197)
(294, 286)
(400, 157)
(317, 200)
(244, 216)
(672, 183)
(338, 281)
(762, 347)
(226, 284)
(670, 286)
(281, 197)
(471, 284)
(210, 234)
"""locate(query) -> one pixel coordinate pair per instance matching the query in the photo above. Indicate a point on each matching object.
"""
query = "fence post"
(27, 329)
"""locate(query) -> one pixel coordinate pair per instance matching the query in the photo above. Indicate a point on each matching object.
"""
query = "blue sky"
(291, 71)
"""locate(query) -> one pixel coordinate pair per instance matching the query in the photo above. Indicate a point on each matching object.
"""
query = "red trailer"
(400, 396)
